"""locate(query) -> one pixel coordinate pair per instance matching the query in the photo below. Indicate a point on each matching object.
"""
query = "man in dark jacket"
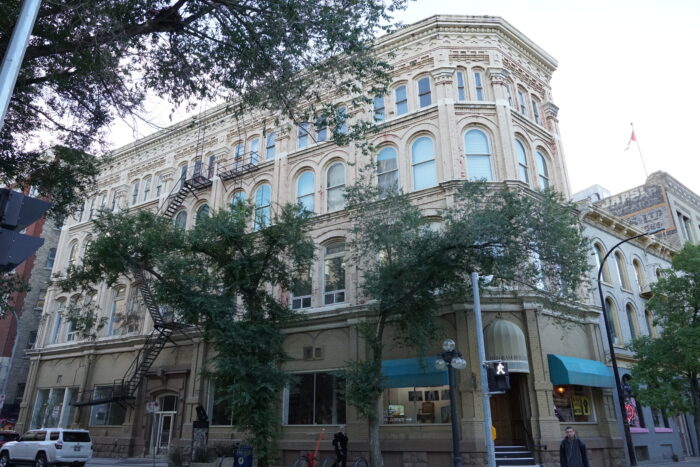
(572, 451)
(340, 443)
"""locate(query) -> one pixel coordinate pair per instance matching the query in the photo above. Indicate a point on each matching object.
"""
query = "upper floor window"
(321, 129)
(379, 111)
(263, 198)
(621, 271)
(685, 226)
(146, 188)
(423, 161)
(57, 321)
(536, 111)
(651, 329)
(542, 172)
(387, 171)
(211, 166)
(103, 200)
(424, 95)
(117, 312)
(522, 162)
(342, 119)
(461, 90)
(521, 100)
(238, 197)
(401, 100)
(181, 219)
(639, 274)
(334, 273)
(255, 151)
(305, 190)
(478, 152)
(270, 146)
(478, 86)
(92, 208)
(114, 201)
(50, 259)
(134, 192)
(238, 151)
(73, 255)
(509, 95)
(79, 214)
(632, 320)
(202, 212)
(303, 135)
(335, 187)
(599, 256)
(613, 321)
(183, 176)
(301, 287)
(197, 167)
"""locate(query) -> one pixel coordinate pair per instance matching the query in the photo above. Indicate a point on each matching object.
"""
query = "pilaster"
(509, 171)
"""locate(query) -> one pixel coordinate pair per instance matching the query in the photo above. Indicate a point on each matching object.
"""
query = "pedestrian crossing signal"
(498, 376)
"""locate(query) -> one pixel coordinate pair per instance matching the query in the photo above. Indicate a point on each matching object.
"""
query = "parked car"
(48, 446)
(7, 435)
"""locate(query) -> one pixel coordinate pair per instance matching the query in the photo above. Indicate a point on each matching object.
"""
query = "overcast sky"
(620, 61)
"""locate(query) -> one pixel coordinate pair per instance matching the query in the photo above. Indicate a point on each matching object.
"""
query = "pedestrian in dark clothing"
(572, 451)
(340, 444)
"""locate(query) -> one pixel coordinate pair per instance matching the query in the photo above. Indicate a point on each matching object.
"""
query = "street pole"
(485, 396)
(15, 54)
(613, 359)
(456, 453)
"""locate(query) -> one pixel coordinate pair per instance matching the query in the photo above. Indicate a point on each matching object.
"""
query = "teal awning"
(407, 373)
(579, 371)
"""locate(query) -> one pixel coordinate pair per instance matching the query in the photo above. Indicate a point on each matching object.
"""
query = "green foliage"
(222, 277)
(85, 319)
(10, 284)
(89, 63)
(667, 367)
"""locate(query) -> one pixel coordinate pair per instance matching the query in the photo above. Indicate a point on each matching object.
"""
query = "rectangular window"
(219, 409)
(632, 407)
(379, 115)
(301, 288)
(521, 99)
(315, 400)
(573, 404)
(134, 193)
(510, 96)
(159, 185)
(50, 259)
(478, 86)
(461, 93)
(303, 135)
(110, 413)
(429, 404)
(114, 200)
(334, 274)
(424, 97)
(321, 129)
(401, 100)
(58, 317)
(19, 395)
(255, 151)
(536, 111)
(92, 208)
(52, 408)
(117, 313)
(685, 226)
(660, 419)
(32, 340)
(146, 188)
(270, 146)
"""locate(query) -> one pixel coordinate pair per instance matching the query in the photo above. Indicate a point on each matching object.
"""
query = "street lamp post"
(452, 360)
(613, 359)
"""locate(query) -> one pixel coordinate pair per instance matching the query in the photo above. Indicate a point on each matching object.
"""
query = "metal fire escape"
(192, 180)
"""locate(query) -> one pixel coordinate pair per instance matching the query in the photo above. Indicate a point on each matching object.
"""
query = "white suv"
(48, 446)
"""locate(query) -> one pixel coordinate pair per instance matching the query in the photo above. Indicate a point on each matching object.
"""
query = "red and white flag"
(632, 138)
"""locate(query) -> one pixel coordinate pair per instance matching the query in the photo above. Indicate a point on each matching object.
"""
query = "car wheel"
(41, 461)
(4, 460)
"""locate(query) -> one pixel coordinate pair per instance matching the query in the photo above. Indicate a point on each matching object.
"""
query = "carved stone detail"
(498, 75)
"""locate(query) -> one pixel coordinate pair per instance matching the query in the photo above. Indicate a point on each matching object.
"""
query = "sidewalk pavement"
(127, 462)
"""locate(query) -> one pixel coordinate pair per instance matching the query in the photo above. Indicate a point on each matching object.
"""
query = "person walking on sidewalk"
(340, 444)
(572, 451)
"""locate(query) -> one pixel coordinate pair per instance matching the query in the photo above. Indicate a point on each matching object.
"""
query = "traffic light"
(498, 376)
(17, 211)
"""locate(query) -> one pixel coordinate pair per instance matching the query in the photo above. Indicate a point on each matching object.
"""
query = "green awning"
(579, 371)
(408, 373)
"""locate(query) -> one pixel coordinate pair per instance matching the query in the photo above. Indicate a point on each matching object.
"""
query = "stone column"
(558, 171)
(506, 166)
(451, 165)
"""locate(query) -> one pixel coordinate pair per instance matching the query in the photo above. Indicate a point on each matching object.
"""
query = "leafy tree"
(223, 278)
(89, 62)
(411, 269)
(667, 367)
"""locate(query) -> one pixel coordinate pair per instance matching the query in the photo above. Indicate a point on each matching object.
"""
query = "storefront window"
(573, 404)
(52, 407)
(633, 412)
(427, 404)
(660, 419)
(106, 414)
(219, 408)
(315, 400)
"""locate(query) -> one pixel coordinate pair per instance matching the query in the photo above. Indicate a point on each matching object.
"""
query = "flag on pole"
(633, 137)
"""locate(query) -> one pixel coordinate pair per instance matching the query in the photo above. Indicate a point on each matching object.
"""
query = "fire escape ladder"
(144, 360)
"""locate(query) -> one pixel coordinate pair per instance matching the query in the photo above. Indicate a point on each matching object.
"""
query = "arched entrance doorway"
(510, 412)
(163, 425)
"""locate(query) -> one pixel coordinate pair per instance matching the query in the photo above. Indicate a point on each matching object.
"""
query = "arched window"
(270, 146)
(379, 110)
(181, 219)
(117, 312)
(621, 271)
(387, 171)
(478, 152)
(522, 162)
(632, 320)
(423, 160)
(263, 197)
(305, 190)
(211, 166)
(639, 274)
(522, 108)
(57, 321)
(73, 254)
(335, 187)
(86, 245)
(401, 100)
(255, 151)
(613, 324)
(461, 89)
(536, 111)
(202, 212)
(599, 255)
(424, 94)
(183, 176)
(134, 192)
(542, 172)
(651, 329)
(334, 273)
(238, 151)
(159, 185)
(146, 188)
(238, 197)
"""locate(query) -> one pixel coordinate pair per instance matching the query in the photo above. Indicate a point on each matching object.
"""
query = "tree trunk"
(375, 448)
(695, 392)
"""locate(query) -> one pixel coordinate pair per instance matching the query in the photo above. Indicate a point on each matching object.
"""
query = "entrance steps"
(514, 456)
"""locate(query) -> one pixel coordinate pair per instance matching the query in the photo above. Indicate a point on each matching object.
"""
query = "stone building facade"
(470, 99)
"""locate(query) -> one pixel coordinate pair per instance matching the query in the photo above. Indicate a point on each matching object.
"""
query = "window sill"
(579, 423)
(415, 424)
(639, 430)
(663, 430)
